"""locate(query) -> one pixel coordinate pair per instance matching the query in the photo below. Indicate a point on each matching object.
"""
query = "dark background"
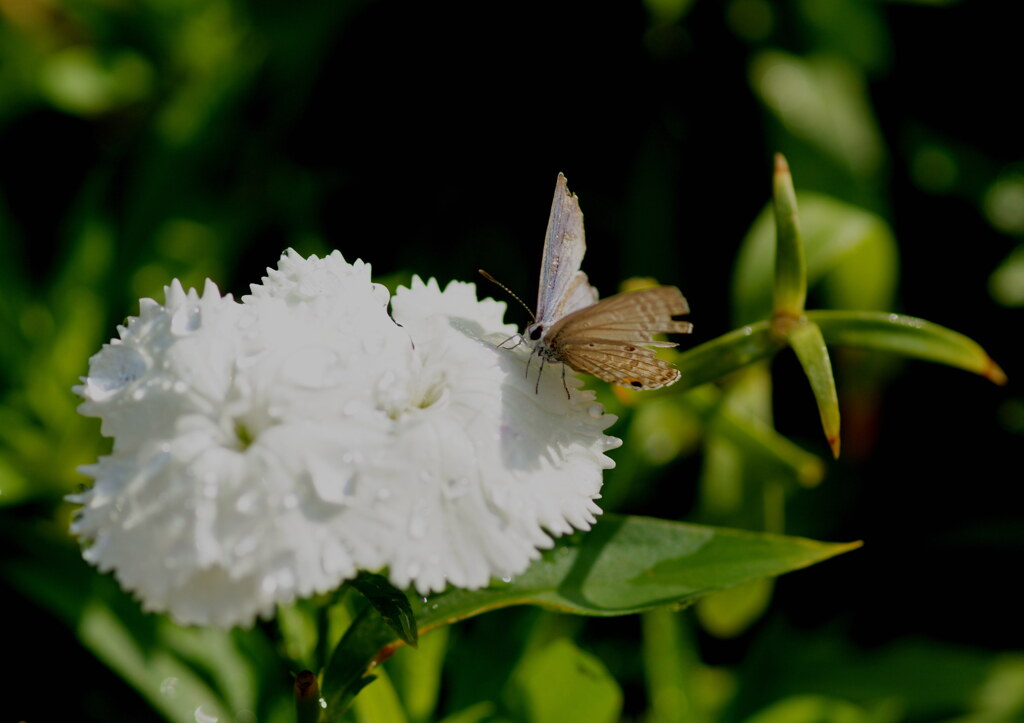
(426, 138)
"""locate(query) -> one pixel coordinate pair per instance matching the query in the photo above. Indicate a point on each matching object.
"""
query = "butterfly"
(608, 338)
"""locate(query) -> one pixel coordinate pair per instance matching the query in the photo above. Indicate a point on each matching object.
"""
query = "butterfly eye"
(536, 333)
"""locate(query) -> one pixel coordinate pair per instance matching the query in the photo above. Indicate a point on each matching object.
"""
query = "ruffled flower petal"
(268, 449)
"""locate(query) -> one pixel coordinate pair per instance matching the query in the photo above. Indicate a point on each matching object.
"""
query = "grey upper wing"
(561, 288)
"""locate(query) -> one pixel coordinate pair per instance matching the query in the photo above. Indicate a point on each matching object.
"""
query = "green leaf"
(809, 345)
(623, 565)
(543, 677)
(906, 335)
(627, 564)
(790, 292)
(851, 258)
(391, 603)
(368, 641)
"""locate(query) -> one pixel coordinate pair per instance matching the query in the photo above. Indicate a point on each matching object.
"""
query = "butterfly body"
(608, 338)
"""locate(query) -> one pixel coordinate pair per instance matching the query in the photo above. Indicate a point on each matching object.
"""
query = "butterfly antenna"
(508, 291)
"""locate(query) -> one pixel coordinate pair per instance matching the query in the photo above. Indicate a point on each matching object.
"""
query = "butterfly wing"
(633, 367)
(608, 339)
(563, 287)
(634, 316)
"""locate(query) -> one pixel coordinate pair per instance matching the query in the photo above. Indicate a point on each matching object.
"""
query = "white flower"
(269, 449)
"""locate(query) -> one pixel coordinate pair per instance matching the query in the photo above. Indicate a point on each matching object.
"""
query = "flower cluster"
(268, 448)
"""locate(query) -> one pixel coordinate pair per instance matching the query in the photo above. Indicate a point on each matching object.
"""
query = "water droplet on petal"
(247, 502)
(186, 320)
(596, 411)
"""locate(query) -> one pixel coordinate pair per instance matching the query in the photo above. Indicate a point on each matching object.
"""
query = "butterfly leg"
(514, 336)
(564, 385)
(536, 387)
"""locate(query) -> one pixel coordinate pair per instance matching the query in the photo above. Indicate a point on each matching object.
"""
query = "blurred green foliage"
(146, 140)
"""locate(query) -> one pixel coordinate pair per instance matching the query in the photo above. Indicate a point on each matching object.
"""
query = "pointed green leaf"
(623, 565)
(790, 269)
(628, 564)
(906, 335)
(391, 603)
(851, 258)
(719, 357)
(809, 345)
(368, 641)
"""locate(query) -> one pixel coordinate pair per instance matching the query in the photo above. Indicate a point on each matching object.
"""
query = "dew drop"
(747, 331)
(596, 411)
(180, 387)
(506, 578)
(201, 716)
(247, 502)
(138, 394)
(186, 320)
(169, 686)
